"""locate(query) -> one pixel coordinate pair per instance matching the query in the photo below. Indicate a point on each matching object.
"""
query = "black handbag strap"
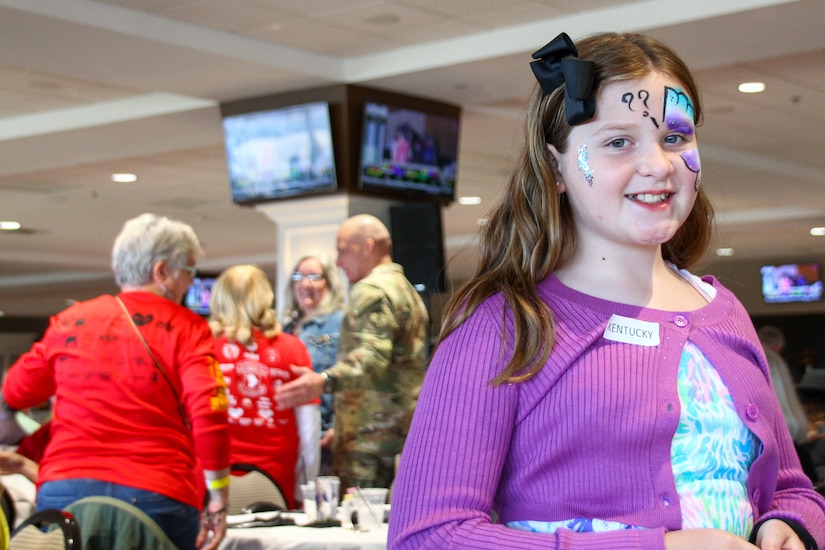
(156, 363)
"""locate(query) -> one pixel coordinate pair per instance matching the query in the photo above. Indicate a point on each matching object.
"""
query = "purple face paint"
(691, 160)
(680, 124)
(584, 164)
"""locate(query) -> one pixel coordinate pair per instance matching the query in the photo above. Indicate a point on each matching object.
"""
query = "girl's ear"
(555, 161)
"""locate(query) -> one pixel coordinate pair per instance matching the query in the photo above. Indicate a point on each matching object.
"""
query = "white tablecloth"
(304, 538)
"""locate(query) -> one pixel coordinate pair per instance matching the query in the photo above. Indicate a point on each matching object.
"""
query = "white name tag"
(632, 331)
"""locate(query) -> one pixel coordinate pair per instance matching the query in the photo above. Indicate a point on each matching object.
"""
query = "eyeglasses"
(193, 271)
(297, 277)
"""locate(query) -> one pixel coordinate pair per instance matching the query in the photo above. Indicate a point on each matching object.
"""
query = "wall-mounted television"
(280, 153)
(408, 151)
(198, 295)
(794, 282)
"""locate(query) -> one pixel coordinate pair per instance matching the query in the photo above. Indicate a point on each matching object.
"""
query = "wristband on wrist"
(329, 382)
(215, 484)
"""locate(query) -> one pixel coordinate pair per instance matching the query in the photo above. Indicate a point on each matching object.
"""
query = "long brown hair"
(531, 233)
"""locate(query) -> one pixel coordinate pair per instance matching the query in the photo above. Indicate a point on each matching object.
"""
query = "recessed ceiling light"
(818, 231)
(752, 87)
(9, 226)
(124, 178)
(724, 252)
(469, 200)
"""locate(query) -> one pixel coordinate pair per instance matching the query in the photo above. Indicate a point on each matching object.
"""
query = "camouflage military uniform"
(378, 375)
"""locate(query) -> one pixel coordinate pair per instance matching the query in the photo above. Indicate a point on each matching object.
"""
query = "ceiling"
(89, 88)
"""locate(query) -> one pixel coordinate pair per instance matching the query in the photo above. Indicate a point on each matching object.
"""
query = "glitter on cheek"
(584, 164)
(691, 160)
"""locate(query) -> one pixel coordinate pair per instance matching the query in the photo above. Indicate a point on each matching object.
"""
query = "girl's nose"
(654, 161)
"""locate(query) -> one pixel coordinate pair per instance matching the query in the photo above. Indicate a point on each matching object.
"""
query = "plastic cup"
(346, 511)
(310, 508)
(326, 497)
(369, 508)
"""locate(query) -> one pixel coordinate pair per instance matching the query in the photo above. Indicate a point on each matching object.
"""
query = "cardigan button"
(752, 411)
(680, 321)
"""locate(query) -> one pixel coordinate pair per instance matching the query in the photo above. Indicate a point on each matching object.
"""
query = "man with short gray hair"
(381, 355)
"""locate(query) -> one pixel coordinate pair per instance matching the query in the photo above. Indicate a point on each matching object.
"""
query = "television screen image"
(408, 152)
(280, 153)
(792, 283)
(198, 295)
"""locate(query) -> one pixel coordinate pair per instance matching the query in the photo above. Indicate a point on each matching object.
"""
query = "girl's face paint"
(678, 116)
(678, 111)
(584, 164)
(694, 164)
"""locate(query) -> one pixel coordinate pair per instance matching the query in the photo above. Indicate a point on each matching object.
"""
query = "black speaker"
(418, 245)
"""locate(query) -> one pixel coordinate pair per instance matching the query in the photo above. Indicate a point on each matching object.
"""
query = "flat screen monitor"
(280, 153)
(198, 295)
(794, 282)
(408, 153)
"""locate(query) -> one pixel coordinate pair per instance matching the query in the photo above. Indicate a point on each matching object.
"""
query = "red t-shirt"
(115, 417)
(262, 432)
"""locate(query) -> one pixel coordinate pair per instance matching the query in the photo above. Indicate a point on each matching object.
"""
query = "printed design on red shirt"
(231, 351)
(254, 379)
(251, 377)
(141, 319)
(219, 401)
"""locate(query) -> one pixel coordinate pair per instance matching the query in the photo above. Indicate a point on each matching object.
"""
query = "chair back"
(7, 517)
(108, 523)
(49, 529)
(8, 507)
(4, 532)
(254, 488)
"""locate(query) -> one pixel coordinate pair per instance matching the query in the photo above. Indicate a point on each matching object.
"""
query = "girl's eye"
(674, 139)
(618, 143)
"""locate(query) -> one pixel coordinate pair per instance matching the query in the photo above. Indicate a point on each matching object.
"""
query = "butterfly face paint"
(678, 117)
(583, 160)
(693, 164)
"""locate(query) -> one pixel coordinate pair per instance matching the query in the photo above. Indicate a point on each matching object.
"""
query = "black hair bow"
(558, 63)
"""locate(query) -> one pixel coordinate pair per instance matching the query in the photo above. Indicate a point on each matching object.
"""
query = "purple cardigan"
(588, 436)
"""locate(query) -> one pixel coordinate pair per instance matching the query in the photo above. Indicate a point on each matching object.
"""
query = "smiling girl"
(587, 391)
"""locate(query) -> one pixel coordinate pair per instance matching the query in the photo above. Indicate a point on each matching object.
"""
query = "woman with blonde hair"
(256, 357)
(314, 314)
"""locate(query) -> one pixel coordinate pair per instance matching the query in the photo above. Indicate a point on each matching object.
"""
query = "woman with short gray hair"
(136, 391)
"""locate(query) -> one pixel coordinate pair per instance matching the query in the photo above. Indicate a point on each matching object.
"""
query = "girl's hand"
(775, 534)
(691, 539)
